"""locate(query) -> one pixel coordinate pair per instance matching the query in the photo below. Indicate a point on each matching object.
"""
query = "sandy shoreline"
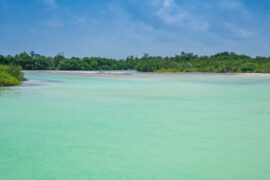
(180, 73)
(91, 72)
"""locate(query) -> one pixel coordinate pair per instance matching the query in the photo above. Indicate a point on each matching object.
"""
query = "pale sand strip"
(184, 73)
(92, 72)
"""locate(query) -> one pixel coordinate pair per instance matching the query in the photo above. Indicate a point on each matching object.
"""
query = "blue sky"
(118, 28)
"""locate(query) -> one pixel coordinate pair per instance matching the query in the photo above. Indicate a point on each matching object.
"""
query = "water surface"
(135, 126)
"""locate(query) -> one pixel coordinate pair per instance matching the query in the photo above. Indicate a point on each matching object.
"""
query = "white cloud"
(169, 18)
(173, 14)
(235, 7)
(50, 3)
(200, 25)
(168, 3)
(229, 4)
(237, 31)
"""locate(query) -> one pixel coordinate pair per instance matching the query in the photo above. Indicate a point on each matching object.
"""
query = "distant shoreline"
(224, 62)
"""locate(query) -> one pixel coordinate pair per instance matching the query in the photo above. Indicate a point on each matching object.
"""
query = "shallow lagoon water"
(135, 126)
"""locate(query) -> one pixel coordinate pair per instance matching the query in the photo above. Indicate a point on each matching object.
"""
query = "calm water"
(135, 126)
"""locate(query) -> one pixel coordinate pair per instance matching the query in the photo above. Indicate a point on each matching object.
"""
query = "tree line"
(184, 62)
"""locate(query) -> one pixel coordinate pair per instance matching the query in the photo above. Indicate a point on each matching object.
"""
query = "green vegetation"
(185, 62)
(10, 75)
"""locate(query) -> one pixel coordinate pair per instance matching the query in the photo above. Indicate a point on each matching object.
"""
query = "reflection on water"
(41, 82)
(1, 90)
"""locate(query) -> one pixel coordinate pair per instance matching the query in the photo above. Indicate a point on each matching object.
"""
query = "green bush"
(10, 75)
(8, 80)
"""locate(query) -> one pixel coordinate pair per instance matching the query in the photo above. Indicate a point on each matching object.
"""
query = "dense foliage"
(10, 75)
(185, 62)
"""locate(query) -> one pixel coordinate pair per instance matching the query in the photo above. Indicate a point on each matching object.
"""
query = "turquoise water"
(135, 126)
